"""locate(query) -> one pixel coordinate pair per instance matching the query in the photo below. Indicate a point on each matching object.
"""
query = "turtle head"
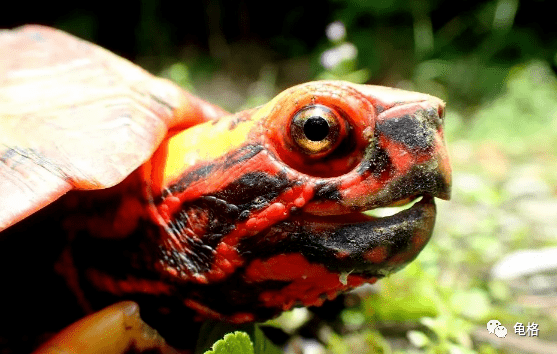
(266, 209)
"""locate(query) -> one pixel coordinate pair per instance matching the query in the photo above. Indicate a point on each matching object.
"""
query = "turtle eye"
(315, 129)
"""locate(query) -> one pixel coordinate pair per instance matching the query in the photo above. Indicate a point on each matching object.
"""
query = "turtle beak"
(406, 156)
(411, 135)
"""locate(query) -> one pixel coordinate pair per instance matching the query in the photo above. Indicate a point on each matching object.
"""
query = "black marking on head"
(222, 207)
(254, 190)
(197, 259)
(327, 191)
(352, 241)
(355, 239)
(377, 161)
(200, 225)
(420, 179)
(244, 215)
(212, 216)
(409, 131)
(193, 176)
(242, 154)
(220, 216)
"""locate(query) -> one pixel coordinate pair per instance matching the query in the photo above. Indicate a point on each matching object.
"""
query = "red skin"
(307, 281)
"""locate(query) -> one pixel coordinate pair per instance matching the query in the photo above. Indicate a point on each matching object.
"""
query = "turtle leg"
(115, 329)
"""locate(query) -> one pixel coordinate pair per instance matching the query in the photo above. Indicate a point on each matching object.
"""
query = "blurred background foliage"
(493, 61)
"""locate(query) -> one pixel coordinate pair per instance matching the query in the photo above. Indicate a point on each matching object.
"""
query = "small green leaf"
(233, 343)
(212, 332)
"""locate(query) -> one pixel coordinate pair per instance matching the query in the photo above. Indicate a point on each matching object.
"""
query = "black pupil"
(316, 128)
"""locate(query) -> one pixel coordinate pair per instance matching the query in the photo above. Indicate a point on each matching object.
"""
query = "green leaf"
(213, 331)
(233, 343)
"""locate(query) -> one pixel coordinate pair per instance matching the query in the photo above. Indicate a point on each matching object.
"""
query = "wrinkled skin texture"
(192, 212)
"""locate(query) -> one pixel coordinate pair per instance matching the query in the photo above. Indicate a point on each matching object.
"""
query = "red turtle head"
(264, 210)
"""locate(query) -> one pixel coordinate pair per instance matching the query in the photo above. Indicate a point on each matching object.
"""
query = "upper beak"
(407, 156)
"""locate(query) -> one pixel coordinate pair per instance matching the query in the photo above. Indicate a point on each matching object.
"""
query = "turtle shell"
(76, 116)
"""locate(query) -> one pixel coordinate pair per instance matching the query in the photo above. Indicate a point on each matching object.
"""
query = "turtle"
(118, 185)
